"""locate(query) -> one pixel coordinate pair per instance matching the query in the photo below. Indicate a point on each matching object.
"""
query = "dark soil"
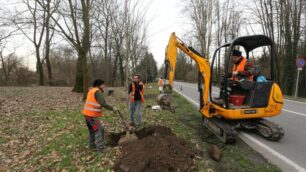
(157, 149)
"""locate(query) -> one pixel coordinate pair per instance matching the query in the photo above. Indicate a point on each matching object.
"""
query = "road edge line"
(297, 113)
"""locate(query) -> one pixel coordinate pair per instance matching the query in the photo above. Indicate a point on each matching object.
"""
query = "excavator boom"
(202, 64)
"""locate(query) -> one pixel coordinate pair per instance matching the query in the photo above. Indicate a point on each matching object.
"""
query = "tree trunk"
(47, 44)
(127, 45)
(39, 68)
(78, 84)
(114, 75)
(121, 70)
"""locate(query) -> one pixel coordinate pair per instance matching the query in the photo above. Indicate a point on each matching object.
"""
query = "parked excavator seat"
(260, 94)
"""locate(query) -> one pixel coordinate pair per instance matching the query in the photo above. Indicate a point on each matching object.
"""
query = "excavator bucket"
(164, 101)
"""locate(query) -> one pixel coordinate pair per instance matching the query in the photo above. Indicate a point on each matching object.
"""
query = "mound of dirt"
(157, 149)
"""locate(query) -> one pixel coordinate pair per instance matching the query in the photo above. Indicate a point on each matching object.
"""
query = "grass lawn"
(47, 132)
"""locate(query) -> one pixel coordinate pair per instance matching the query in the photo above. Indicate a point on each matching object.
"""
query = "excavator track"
(269, 130)
(223, 130)
(226, 130)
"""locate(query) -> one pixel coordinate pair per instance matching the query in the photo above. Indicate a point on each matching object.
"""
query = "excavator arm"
(202, 64)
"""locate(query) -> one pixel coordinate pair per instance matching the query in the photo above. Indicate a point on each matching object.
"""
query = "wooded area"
(218, 22)
(78, 41)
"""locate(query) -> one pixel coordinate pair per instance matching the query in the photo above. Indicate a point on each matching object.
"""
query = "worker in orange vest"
(92, 110)
(136, 96)
(160, 84)
(242, 70)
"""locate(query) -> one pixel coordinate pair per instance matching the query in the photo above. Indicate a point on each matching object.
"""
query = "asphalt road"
(290, 152)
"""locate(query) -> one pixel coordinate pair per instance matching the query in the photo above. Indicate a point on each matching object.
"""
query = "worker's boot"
(219, 100)
(92, 148)
(104, 149)
(132, 124)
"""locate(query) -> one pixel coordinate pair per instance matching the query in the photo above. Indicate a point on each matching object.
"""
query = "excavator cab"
(253, 94)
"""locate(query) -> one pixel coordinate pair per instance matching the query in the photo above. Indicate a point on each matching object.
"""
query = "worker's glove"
(235, 73)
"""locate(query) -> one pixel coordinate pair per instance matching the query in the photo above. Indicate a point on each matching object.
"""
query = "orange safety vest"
(160, 82)
(133, 93)
(240, 68)
(92, 107)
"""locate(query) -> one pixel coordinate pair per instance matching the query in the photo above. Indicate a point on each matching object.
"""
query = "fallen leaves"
(55, 156)
(42, 129)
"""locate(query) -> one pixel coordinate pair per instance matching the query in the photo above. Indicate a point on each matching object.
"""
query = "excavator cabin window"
(241, 90)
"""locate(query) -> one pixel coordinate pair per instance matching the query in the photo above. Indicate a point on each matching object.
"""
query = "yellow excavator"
(265, 98)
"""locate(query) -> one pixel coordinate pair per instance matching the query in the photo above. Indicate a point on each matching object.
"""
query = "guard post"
(300, 62)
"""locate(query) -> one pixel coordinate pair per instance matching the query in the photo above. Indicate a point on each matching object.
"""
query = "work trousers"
(96, 133)
(136, 107)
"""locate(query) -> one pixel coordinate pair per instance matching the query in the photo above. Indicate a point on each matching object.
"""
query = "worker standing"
(136, 95)
(160, 84)
(92, 110)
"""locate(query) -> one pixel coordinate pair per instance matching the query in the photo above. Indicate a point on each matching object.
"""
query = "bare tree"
(201, 13)
(36, 22)
(103, 16)
(134, 12)
(118, 36)
(8, 64)
(74, 25)
(281, 21)
(48, 37)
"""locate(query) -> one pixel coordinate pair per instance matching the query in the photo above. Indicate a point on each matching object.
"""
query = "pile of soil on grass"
(157, 149)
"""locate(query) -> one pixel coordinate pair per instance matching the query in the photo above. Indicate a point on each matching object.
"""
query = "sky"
(163, 17)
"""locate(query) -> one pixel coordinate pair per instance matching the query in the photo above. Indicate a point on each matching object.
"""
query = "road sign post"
(300, 62)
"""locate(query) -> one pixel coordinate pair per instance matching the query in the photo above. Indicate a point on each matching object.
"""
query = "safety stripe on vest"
(92, 103)
(92, 109)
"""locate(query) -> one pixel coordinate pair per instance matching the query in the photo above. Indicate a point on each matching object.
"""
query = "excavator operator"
(242, 68)
(241, 77)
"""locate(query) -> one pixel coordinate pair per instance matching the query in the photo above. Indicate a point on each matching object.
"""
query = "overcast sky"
(163, 18)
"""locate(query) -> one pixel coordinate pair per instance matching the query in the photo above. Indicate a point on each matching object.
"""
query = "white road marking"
(192, 101)
(295, 101)
(272, 151)
(275, 153)
(297, 113)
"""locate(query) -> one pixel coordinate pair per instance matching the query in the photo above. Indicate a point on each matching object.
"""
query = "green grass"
(61, 139)
(2, 140)
(61, 144)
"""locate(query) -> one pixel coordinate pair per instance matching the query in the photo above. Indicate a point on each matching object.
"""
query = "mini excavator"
(224, 120)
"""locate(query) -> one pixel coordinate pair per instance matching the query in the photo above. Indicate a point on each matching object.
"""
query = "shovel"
(128, 137)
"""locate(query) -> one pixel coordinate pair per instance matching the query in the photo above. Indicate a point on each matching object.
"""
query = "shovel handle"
(123, 120)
